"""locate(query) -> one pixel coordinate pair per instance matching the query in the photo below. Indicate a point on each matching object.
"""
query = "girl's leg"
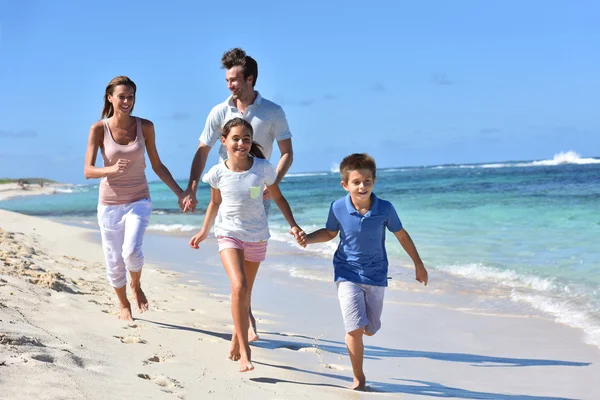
(233, 261)
(136, 222)
(251, 269)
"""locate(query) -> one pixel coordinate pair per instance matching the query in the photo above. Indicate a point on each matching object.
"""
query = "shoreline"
(12, 190)
(428, 346)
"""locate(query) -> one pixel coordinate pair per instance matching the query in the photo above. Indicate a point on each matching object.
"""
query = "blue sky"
(412, 83)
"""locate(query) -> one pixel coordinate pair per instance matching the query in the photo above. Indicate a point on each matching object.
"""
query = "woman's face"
(122, 99)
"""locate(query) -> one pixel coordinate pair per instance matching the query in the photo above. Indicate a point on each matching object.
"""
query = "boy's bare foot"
(125, 313)
(246, 365)
(252, 335)
(360, 384)
(140, 299)
(234, 350)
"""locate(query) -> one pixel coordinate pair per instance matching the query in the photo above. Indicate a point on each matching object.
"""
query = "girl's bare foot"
(252, 335)
(125, 313)
(140, 299)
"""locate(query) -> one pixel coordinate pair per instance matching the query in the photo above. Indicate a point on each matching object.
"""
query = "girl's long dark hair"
(256, 149)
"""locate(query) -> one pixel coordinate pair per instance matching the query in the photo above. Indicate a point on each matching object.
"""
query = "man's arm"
(286, 160)
(188, 202)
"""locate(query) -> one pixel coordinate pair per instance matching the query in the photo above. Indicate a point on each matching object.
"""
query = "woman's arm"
(90, 170)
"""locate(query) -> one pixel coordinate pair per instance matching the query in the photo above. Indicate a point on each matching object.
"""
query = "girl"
(241, 224)
(124, 204)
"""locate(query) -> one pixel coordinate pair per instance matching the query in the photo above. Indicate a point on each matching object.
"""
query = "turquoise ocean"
(527, 231)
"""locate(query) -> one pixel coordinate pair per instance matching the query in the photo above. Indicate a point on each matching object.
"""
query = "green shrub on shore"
(27, 181)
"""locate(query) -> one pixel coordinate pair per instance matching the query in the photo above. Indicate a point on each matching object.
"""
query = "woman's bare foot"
(360, 384)
(125, 313)
(234, 349)
(252, 335)
(246, 365)
(140, 299)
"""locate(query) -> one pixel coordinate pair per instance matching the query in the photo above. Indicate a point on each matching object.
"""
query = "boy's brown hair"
(357, 161)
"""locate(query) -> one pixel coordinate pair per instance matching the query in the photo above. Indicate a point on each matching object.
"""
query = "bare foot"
(234, 350)
(140, 299)
(252, 335)
(360, 384)
(125, 313)
(246, 365)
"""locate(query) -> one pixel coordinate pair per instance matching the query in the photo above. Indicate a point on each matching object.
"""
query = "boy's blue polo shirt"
(361, 256)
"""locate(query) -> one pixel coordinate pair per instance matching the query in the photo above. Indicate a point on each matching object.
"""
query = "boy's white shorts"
(361, 305)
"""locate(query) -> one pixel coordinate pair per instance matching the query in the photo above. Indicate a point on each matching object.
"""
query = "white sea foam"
(565, 312)
(568, 304)
(306, 174)
(173, 227)
(562, 158)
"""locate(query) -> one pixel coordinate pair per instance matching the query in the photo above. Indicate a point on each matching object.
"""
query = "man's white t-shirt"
(267, 119)
(242, 213)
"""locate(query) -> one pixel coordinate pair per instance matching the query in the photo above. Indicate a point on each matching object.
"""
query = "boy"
(360, 262)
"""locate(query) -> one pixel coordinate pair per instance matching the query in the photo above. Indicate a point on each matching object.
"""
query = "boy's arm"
(321, 235)
(410, 248)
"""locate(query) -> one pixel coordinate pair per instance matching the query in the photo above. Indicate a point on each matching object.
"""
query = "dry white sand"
(60, 337)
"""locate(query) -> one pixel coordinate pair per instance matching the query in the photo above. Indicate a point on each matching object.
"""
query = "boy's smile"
(360, 186)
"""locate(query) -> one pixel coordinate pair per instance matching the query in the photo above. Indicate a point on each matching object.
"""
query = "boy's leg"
(374, 305)
(352, 303)
(233, 261)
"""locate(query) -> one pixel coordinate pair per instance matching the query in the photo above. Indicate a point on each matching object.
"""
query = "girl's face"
(122, 99)
(238, 142)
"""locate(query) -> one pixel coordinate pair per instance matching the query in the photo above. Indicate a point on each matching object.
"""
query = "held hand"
(266, 194)
(120, 166)
(187, 201)
(421, 274)
(299, 235)
(197, 239)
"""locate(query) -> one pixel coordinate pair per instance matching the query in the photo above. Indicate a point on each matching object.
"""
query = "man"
(268, 123)
(267, 119)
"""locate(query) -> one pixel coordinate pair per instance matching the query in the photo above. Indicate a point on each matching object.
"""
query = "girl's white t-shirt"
(242, 212)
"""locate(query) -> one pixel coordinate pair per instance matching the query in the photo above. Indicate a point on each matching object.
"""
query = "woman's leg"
(233, 261)
(136, 222)
(112, 229)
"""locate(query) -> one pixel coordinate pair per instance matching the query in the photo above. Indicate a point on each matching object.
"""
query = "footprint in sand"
(43, 357)
(130, 339)
(168, 385)
(336, 367)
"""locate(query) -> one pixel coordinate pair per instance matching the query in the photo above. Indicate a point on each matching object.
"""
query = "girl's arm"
(284, 206)
(209, 217)
(157, 166)
(94, 142)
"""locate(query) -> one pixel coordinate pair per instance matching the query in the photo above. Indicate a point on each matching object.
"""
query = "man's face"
(236, 83)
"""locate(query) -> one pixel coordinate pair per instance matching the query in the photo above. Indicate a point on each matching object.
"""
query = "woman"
(124, 204)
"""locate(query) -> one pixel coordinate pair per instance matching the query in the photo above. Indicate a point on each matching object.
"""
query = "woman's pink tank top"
(131, 184)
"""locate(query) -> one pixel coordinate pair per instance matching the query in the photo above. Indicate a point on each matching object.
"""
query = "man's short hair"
(238, 58)
(355, 162)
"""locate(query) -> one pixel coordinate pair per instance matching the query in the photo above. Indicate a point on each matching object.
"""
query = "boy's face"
(360, 184)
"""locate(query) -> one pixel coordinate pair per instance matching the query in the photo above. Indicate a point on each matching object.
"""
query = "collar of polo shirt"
(374, 206)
